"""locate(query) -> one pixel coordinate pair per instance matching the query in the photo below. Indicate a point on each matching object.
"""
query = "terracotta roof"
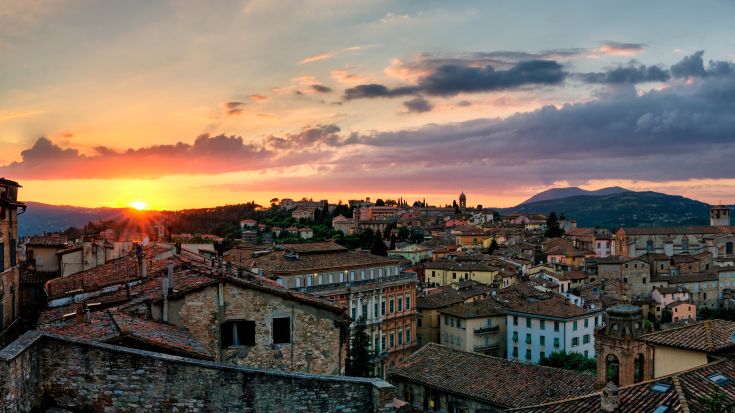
(671, 290)
(481, 308)
(706, 336)
(575, 275)
(493, 380)
(112, 272)
(680, 392)
(47, 241)
(447, 295)
(276, 263)
(686, 278)
(451, 265)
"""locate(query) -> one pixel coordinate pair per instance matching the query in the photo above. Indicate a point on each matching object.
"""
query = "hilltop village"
(369, 307)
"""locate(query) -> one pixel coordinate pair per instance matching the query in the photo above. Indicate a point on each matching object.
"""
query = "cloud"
(308, 137)
(418, 105)
(690, 66)
(618, 49)
(627, 74)
(233, 108)
(208, 154)
(257, 98)
(321, 88)
(318, 57)
(449, 80)
(343, 76)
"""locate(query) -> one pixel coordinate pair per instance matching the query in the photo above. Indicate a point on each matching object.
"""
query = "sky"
(183, 104)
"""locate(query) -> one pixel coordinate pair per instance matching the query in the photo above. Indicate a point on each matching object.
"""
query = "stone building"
(368, 285)
(621, 357)
(719, 216)
(634, 242)
(10, 308)
(477, 326)
(634, 273)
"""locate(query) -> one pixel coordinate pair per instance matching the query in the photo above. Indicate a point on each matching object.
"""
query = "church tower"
(719, 216)
(462, 201)
(621, 358)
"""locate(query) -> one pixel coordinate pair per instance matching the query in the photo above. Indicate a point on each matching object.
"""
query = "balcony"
(487, 330)
(486, 348)
(380, 282)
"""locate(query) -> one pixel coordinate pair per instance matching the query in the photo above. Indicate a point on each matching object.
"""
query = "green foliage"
(493, 246)
(553, 230)
(570, 361)
(358, 357)
(716, 401)
(378, 247)
(379, 202)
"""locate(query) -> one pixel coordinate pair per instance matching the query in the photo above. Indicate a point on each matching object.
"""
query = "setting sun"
(139, 205)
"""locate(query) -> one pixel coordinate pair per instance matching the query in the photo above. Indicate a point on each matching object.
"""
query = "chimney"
(164, 312)
(79, 315)
(610, 400)
(170, 275)
(87, 315)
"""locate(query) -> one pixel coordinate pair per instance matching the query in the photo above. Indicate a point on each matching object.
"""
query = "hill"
(559, 193)
(40, 218)
(629, 209)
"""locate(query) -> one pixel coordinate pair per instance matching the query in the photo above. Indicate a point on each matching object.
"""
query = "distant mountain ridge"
(40, 218)
(623, 209)
(560, 193)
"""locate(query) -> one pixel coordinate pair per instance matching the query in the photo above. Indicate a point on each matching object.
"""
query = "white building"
(539, 327)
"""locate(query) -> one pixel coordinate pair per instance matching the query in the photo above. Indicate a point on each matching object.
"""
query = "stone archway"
(612, 369)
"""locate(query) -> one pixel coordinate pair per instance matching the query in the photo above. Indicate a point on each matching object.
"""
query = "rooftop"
(706, 336)
(476, 309)
(505, 383)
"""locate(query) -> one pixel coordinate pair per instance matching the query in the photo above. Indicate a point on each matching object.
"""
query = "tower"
(719, 216)
(9, 269)
(462, 201)
(621, 358)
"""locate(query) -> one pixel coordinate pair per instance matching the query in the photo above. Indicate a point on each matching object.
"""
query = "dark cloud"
(627, 74)
(418, 105)
(613, 47)
(690, 66)
(233, 108)
(308, 137)
(450, 80)
(321, 88)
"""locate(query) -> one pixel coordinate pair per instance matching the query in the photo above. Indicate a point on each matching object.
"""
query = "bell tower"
(719, 216)
(621, 358)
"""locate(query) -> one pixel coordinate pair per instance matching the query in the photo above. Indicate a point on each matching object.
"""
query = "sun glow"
(139, 205)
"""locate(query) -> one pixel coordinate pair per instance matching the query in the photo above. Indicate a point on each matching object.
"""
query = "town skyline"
(183, 105)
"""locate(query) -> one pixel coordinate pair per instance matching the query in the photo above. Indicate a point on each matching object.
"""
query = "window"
(408, 335)
(515, 336)
(362, 274)
(365, 311)
(400, 337)
(575, 341)
(528, 339)
(354, 313)
(556, 342)
(331, 277)
(309, 281)
(446, 320)
(382, 342)
(586, 339)
(451, 322)
(237, 333)
(282, 330)
(341, 277)
(320, 281)
(728, 248)
(542, 354)
(685, 245)
(528, 323)
(556, 326)
(382, 308)
(454, 275)
(408, 302)
(352, 276)
(542, 340)
(542, 324)
(13, 250)
(419, 322)
(298, 282)
(660, 387)
(586, 322)
(515, 320)
(718, 378)
(400, 304)
(392, 340)
(515, 351)
(375, 309)
(528, 354)
(574, 325)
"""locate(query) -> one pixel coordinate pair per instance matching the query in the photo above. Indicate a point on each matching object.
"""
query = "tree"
(393, 242)
(403, 233)
(716, 401)
(379, 202)
(358, 359)
(570, 361)
(493, 247)
(391, 202)
(378, 247)
(562, 217)
(366, 239)
(553, 230)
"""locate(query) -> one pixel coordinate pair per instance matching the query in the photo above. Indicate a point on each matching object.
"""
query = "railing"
(487, 330)
(402, 277)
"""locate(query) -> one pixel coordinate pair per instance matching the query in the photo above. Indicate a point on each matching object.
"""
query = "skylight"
(660, 387)
(661, 409)
(718, 378)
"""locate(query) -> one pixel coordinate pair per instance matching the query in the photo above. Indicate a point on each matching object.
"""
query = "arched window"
(638, 368)
(613, 369)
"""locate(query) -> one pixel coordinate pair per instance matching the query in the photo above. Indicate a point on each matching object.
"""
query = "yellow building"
(433, 300)
(448, 272)
(478, 327)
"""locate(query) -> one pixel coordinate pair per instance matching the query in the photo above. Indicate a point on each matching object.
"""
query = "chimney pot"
(610, 400)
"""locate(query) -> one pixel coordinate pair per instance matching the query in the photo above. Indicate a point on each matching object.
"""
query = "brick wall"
(42, 370)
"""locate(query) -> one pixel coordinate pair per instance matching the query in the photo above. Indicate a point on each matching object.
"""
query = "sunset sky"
(189, 104)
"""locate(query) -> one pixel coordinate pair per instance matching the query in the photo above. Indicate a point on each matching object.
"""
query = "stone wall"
(43, 370)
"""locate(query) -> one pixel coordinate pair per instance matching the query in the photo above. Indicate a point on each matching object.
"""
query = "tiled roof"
(614, 259)
(705, 336)
(110, 273)
(447, 295)
(575, 275)
(678, 230)
(497, 381)
(555, 306)
(686, 278)
(311, 247)
(451, 265)
(680, 392)
(481, 308)
(276, 263)
(47, 241)
(671, 290)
